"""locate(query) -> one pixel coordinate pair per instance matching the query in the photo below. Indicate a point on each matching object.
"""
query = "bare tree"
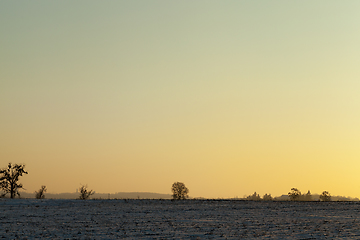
(294, 194)
(325, 196)
(9, 179)
(40, 194)
(84, 193)
(179, 191)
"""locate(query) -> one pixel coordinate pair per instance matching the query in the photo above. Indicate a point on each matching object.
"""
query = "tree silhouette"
(294, 194)
(267, 197)
(84, 193)
(179, 191)
(254, 197)
(40, 194)
(325, 196)
(308, 196)
(9, 179)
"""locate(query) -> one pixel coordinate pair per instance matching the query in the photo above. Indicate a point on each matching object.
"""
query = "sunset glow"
(228, 97)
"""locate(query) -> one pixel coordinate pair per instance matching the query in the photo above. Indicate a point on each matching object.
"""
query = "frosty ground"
(189, 219)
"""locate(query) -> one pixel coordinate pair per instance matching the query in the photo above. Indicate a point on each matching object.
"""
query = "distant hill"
(119, 195)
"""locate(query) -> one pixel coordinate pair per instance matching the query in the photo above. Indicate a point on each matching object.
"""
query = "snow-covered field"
(190, 219)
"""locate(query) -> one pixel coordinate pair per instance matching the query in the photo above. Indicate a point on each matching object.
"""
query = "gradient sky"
(229, 97)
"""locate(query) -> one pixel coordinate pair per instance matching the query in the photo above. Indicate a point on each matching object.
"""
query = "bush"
(84, 193)
(294, 194)
(267, 197)
(254, 197)
(325, 196)
(40, 194)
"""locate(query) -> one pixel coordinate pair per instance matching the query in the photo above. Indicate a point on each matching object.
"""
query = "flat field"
(166, 219)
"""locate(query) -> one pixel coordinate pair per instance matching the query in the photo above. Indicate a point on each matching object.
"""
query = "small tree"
(294, 194)
(325, 196)
(267, 197)
(84, 193)
(308, 196)
(254, 197)
(40, 194)
(9, 178)
(179, 191)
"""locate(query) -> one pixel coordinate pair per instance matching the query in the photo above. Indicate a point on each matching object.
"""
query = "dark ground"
(189, 219)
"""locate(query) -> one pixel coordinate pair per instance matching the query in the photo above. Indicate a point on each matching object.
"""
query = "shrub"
(84, 193)
(40, 194)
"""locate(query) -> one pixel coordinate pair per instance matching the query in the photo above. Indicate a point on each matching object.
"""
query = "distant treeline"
(296, 195)
(120, 195)
(147, 195)
(9, 184)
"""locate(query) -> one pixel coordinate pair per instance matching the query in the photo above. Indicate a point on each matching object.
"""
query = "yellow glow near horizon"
(227, 97)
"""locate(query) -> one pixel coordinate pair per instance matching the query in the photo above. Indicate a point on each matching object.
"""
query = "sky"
(228, 97)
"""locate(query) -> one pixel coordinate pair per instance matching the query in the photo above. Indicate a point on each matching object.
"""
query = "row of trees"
(9, 178)
(256, 197)
(181, 192)
(294, 195)
(9, 183)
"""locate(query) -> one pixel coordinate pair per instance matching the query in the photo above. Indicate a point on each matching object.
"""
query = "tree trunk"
(12, 190)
